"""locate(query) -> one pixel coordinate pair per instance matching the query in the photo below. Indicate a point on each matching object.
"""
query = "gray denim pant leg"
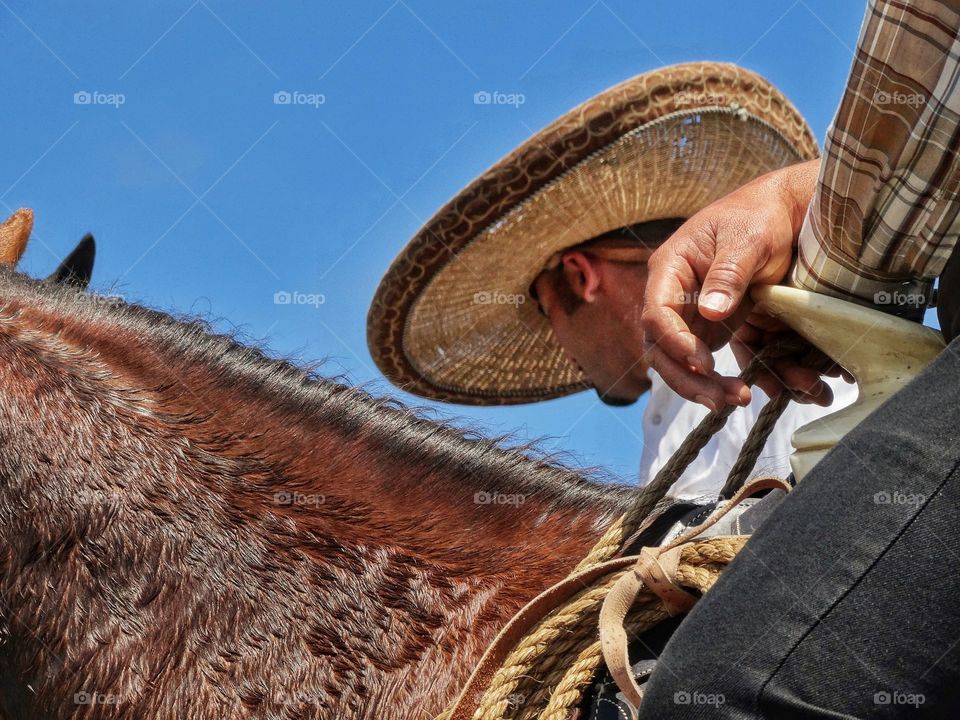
(846, 602)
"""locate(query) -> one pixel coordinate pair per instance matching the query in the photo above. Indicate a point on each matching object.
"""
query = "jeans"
(846, 602)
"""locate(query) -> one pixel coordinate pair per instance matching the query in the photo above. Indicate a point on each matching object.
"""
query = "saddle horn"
(882, 352)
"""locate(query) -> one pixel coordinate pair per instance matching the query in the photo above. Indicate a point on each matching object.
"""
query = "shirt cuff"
(817, 271)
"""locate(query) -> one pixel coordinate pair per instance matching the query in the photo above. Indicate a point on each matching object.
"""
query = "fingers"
(711, 390)
(667, 331)
(698, 281)
(735, 391)
(670, 317)
(805, 390)
(766, 323)
(728, 278)
(804, 384)
(679, 340)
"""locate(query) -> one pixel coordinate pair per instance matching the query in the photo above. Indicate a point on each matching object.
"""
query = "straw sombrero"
(452, 319)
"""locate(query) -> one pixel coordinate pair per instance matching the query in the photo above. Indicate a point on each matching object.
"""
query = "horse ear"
(14, 234)
(77, 268)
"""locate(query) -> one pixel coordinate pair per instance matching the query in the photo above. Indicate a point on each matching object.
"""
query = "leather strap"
(656, 569)
(524, 621)
(749, 489)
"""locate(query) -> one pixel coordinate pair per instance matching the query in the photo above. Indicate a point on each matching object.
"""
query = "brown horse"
(190, 529)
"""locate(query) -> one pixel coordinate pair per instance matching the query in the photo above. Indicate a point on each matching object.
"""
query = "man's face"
(601, 335)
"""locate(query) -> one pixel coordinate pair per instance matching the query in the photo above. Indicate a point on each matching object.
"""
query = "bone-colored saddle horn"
(882, 352)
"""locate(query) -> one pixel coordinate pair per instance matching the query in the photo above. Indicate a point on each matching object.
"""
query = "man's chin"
(611, 399)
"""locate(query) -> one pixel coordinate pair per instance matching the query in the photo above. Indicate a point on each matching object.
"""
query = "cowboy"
(844, 603)
(528, 285)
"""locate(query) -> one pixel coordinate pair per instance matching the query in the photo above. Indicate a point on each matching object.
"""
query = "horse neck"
(365, 471)
(384, 481)
(321, 521)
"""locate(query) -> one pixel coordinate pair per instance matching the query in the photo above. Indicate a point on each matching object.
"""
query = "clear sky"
(207, 198)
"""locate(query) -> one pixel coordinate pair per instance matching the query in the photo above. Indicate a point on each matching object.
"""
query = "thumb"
(726, 282)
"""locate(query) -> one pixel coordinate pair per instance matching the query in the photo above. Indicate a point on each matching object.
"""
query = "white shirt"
(668, 419)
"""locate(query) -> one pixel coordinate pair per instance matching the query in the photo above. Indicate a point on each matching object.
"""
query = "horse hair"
(192, 529)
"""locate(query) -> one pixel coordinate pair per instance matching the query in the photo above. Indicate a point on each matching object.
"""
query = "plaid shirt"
(884, 218)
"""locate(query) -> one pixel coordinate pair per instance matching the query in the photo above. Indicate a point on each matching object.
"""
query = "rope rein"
(657, 489)
(539, 665)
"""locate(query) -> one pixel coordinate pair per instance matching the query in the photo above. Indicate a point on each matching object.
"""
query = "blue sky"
(207, 198)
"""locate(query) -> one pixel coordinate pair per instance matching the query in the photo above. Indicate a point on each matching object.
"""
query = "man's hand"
(697, 290)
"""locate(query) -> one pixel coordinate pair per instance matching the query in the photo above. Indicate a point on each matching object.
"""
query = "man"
(571, 216)
(589, 294)
(841, 605)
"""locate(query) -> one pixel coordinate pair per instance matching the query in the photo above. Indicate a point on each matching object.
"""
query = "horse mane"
(415, 434)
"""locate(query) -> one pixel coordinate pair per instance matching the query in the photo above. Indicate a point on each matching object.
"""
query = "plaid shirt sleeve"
(884, 217)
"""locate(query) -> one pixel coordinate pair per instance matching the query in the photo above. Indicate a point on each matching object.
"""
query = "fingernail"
(718, 302)
(694, 362)
(704, 400)
(740, 398)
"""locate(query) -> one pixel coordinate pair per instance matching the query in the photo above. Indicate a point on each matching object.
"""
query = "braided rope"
(766, 421)
(544, 676)
(756, 439)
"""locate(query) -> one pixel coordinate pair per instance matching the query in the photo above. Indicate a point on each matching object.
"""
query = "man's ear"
(582, 273)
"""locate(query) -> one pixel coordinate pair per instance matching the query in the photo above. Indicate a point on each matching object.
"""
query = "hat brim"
(452, 319)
